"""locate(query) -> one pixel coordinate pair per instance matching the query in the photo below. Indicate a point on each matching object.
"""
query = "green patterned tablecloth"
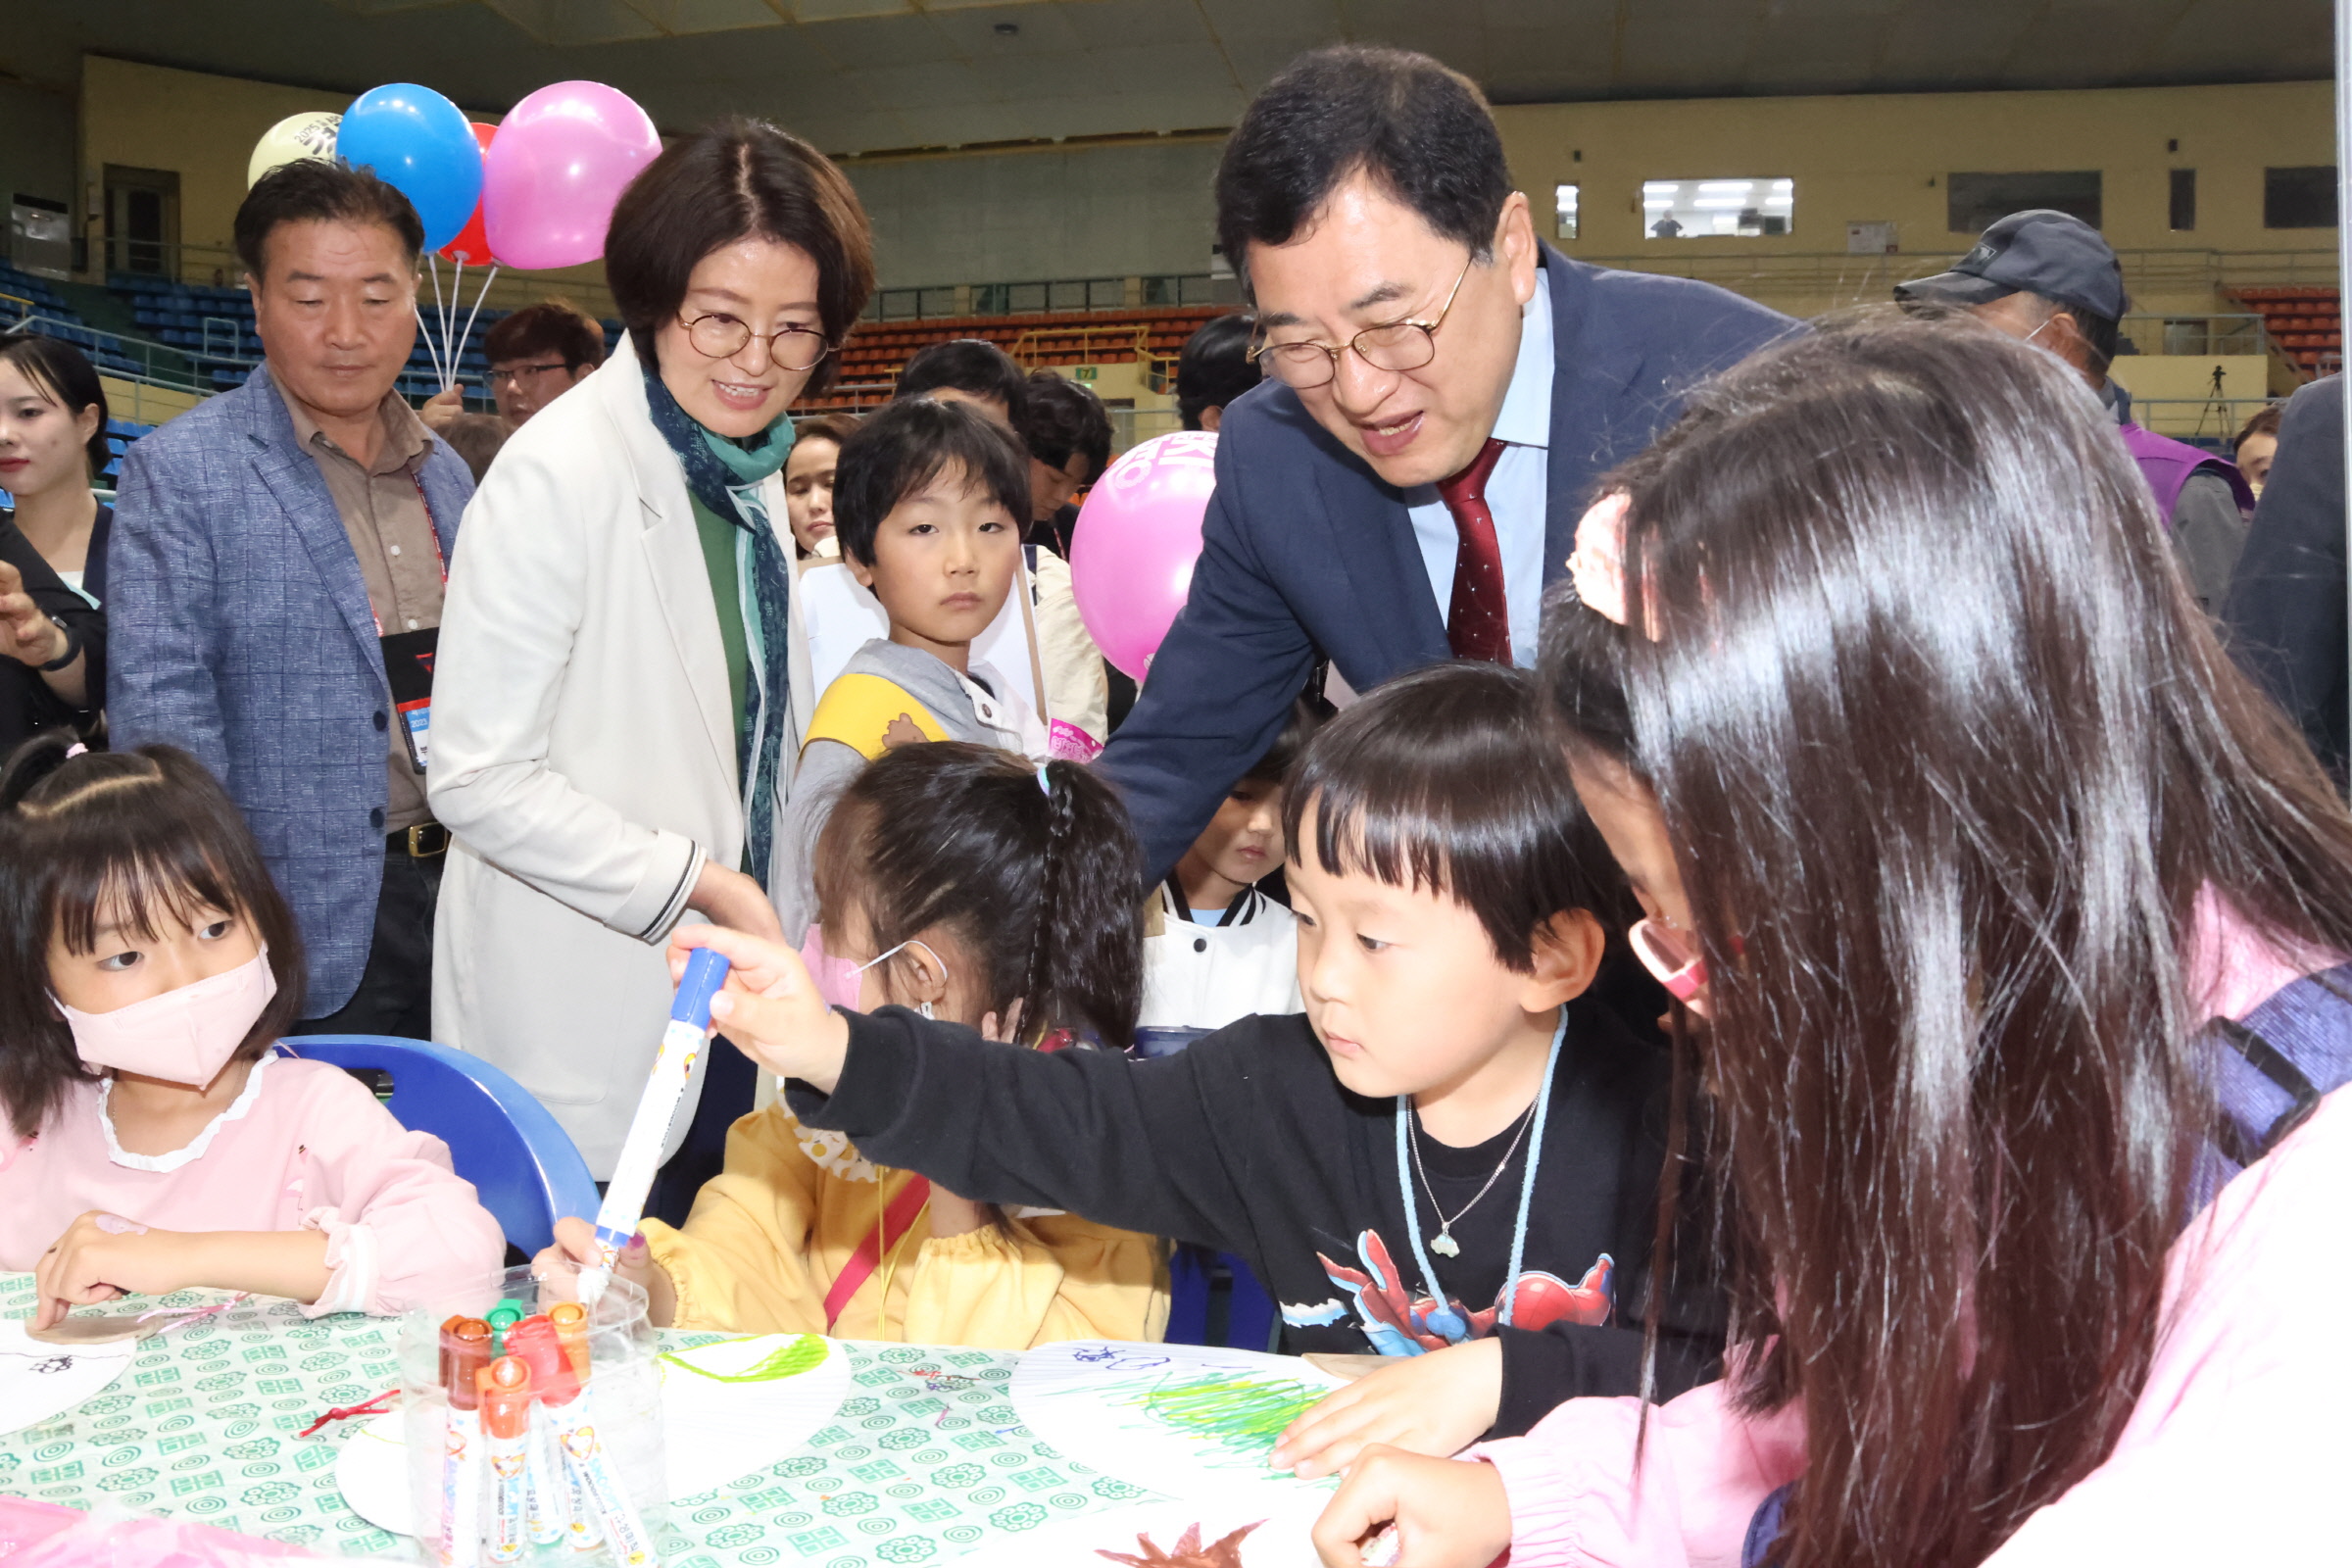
(203, 1425)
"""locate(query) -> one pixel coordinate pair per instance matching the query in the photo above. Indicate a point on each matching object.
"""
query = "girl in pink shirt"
(2014, 919)
(154, 1140)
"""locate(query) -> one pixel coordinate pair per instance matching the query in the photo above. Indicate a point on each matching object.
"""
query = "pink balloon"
(555, 168)
(1137, 539)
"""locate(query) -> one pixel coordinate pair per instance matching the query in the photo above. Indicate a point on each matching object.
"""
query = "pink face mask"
(1668, 956)
(183, 1036)
(839, 981)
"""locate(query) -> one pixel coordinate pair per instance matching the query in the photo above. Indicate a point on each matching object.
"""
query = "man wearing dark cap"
(2052, 279)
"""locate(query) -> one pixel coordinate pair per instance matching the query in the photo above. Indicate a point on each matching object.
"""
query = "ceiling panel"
(851, 74)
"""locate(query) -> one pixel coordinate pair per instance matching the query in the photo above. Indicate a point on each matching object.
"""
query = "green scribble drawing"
(1239, 1417)
(785, 1361)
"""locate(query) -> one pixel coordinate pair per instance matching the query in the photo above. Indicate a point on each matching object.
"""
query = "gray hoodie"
(827, 766)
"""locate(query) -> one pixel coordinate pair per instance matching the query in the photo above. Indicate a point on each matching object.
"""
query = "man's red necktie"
(1478, 625)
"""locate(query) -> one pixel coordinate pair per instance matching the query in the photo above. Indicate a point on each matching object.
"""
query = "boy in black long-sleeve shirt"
(1450, 1111)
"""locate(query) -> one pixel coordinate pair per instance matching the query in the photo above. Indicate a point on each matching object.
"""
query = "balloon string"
(467, 336)
(456, 284)
(434, 266)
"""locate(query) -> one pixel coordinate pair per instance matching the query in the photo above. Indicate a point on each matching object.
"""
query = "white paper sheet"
(39, 1380)
(727, 1408)
(1183, 1419)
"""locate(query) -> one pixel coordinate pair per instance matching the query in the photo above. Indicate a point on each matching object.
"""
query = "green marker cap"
(505, 1316)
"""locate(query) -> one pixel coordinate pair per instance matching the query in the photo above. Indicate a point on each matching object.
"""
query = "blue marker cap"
(705, 972)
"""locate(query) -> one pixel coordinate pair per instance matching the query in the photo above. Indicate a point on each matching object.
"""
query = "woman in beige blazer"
(616, 706)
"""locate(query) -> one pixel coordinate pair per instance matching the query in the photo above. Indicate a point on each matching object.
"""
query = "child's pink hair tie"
(1597, 566)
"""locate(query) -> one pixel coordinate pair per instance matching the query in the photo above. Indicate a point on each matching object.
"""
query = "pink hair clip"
(1597, 564)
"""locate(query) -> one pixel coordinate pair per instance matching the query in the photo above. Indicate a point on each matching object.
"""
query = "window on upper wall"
(1975, 202)
(2299, 198)
(1563, 205)
(1706, 209)
(2184, 200)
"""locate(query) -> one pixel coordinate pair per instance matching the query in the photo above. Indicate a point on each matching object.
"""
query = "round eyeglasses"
(719, 336)
(1405, 345)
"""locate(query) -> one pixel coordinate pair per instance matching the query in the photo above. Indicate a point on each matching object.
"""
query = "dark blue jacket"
(2286, 611)
(1305, 549)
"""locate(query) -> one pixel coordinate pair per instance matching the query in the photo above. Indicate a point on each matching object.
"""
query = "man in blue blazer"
(274, 548)
(1443, 391)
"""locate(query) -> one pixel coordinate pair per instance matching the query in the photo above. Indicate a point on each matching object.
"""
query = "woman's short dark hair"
(740, 178)
(1041, 886)
(2264, 421)
(551, 326)
(140, 838)
(1061, 419)
(309, 190)
(1419, 131)
(1215, 367)
(969, 364)
(1449, 779)
(833, 427)
(906, 445)
(66, 376)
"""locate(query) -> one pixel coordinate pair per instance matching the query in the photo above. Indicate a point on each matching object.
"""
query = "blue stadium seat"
(499, 1139)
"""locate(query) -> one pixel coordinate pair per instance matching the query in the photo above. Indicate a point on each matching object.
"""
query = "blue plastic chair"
(520, 1161)
(1214, 1299)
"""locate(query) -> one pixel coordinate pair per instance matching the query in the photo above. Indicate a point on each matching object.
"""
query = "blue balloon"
(419, 143)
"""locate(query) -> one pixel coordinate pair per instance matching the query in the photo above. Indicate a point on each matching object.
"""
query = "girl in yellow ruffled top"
(965, 883)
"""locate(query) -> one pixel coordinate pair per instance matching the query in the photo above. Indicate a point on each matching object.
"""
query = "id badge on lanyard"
(408, 663)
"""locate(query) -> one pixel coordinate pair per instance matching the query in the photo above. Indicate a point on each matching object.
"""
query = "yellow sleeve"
(1035, 1281)
(859, 709)
(741, 1265)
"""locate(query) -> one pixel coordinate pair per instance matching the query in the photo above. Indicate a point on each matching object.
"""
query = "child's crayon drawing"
(1187, 1420)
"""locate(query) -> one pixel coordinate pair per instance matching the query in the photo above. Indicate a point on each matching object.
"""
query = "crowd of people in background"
(1807, 967)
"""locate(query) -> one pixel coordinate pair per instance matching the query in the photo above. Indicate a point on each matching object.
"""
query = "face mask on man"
(183, 1036)
(839, 980)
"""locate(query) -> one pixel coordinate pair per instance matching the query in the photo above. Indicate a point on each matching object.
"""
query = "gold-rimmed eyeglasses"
(719, 336)
(1405, 345)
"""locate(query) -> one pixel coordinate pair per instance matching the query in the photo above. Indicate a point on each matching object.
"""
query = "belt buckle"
(417, 839)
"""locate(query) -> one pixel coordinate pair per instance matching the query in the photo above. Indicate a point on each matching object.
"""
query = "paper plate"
(727, 1408)
(39, 1380)
(1184, 1419)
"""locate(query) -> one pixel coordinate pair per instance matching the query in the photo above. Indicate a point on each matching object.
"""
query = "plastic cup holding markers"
(533, 1425)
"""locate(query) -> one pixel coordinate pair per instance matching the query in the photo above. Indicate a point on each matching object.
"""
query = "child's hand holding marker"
(575, 1248)
(769, 1008)
(1415, 1513)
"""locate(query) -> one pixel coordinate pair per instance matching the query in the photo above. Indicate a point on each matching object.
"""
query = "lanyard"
(1442, 1318)
(440, 563)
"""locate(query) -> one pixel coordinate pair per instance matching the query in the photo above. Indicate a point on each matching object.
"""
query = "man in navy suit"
(277, 561)
(1442, 390)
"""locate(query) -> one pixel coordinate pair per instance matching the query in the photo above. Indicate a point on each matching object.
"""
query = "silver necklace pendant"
(1445, 1245)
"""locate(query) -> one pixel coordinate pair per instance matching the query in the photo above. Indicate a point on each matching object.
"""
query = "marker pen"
(465, 1351)
(649, 1129)
(571, 1332)
(506, 1397)
(567, 1405)
(566, 1512)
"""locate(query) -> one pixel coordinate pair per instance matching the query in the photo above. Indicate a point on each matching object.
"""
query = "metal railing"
(2212, 332)
(2212, 422)
(1841, 278)
(1044, 296)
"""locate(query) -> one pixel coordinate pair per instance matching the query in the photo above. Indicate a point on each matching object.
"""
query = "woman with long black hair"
(2017, 918)
(52, 537)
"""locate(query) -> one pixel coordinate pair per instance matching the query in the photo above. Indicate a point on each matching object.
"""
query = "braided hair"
(1035, 871)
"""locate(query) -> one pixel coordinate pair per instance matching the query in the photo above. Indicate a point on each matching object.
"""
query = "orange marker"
(505, 1386)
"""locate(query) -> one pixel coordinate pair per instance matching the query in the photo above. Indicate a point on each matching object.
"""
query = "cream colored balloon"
(305, 135)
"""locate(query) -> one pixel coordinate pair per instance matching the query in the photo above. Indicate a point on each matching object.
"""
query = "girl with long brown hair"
(2017, 918)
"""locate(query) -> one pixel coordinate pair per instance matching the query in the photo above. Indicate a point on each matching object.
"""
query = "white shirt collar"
(1526, 417)
(195, 1148)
